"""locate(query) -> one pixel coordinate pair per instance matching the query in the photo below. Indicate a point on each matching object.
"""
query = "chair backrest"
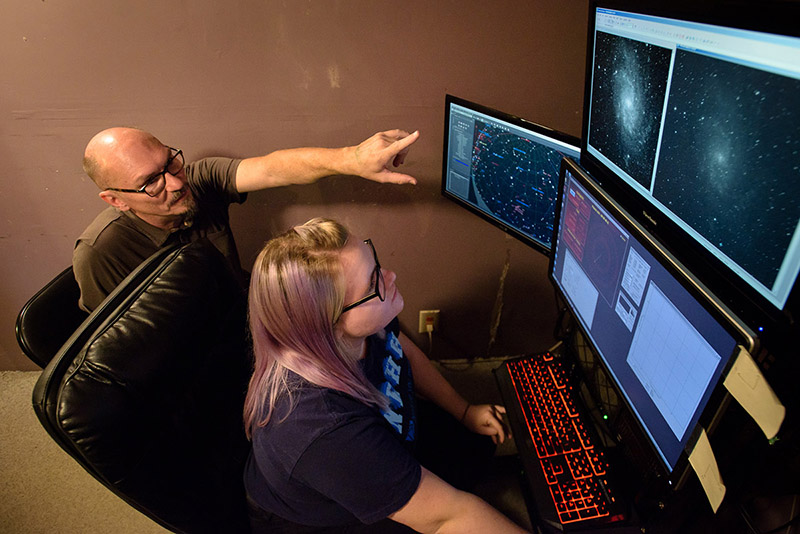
(147, 394)
(49, 318)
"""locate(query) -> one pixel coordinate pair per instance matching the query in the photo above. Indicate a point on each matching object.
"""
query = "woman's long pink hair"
(296, 297)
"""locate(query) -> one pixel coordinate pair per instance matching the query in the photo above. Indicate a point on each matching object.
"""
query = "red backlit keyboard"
(573, 467)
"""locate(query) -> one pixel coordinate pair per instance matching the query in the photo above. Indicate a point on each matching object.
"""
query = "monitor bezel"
(774, 326)
(739, 331)
(519, 123)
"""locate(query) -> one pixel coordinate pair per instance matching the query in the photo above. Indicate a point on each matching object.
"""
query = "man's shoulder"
(211, 177)
(107, 221)
(106, 252)
(212, 165)
(114, 234)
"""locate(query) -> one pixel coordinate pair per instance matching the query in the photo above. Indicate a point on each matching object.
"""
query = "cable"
(430, 339)
(558, 331)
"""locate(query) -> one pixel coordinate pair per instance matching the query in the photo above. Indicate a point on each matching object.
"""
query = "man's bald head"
(114, 152)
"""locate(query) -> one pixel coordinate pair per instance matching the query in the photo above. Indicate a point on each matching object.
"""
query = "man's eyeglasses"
(156, 183)
(380, 288)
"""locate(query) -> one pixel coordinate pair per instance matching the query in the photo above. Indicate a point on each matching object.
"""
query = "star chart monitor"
(698, 124)
(663, 340)
(504, 169)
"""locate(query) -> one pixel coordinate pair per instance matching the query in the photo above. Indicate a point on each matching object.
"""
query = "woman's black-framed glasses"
(156, 183)
(379, 284)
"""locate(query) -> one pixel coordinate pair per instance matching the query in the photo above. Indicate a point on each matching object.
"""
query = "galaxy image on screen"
(628, 88)
(516, 179)
(729, 164)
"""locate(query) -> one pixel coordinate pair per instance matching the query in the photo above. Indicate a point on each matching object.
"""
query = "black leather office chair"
(49, 318)
(147, 394)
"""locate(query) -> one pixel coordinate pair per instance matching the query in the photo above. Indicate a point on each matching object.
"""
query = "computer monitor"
(503, 168)
(662, 338)
(693, 120)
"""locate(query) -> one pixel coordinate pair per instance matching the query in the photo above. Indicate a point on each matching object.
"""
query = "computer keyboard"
(573, 467)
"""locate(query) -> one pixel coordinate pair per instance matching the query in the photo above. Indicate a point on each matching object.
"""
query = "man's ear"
(114, 200)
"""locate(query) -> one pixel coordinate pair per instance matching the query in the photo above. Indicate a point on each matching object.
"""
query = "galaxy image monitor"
(692, 122)
(664, 342)
(504, 169)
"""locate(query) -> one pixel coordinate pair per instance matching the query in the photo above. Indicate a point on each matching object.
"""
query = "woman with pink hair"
(338, 433)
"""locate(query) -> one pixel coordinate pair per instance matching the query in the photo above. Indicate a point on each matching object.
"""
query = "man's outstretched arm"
(373, 159)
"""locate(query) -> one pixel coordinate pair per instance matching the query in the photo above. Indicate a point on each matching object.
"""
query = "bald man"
(155, 199)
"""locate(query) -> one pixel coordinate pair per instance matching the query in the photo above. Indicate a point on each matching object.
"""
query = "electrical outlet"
(427, 317)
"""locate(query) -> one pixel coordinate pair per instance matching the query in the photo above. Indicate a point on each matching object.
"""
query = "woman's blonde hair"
(296, 296)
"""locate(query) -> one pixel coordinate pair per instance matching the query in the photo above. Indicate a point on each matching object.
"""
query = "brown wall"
(245, 77)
